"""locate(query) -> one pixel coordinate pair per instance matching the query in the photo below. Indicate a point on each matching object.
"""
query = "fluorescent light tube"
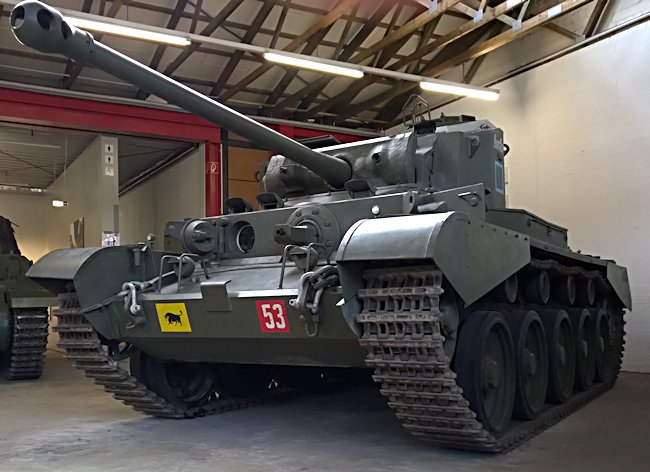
(59, 203)
(483, 94)
(17, 143)
(313, 65)
(128, 32)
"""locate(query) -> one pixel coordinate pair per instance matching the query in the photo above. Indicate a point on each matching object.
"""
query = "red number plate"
(273, 316)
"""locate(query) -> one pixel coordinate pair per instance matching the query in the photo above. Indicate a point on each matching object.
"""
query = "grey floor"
(65, 423)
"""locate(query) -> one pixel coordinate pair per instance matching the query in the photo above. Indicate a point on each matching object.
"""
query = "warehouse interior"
(108, 174)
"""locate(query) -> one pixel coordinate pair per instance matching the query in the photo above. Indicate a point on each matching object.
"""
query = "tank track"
(26, 359)
(401, 322)
(84, 348)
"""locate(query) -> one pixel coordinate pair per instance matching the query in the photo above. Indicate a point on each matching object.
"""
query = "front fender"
(97, 274)
(474, 256)
(57, 268)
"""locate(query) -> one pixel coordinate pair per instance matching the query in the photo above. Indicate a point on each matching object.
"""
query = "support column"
(212, 178)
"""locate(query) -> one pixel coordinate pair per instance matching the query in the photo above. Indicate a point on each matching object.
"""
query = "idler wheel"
(561, 355)
(184, 384)
(605, 351)
(585, 334)
(538, 287)
(485, 365)
(532, 363)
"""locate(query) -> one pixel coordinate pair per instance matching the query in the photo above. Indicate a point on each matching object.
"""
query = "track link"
(29, 340)
(401, 322)
(84, 348)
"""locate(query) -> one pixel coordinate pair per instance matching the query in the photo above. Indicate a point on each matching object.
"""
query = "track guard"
(474, 256)
(97, 275)
(618, 278)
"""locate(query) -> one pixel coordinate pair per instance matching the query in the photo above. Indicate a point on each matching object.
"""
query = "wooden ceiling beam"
(174, 18)
(391, 27)
(195, 18)
(393, 107)
(427, 34)
(280, 24)
(594, 18)
(156, 7)
(292, 72)
(266, 31)
(405, 30)
(73, 69)
(256, 24)
(473, 69)
(473, 53)
(508, 20)
(210, 28)
(307, 94)
(345, 98)
(390, 44)
(309, 48)
(324, 22)
(563, 31)
(355, 88)
(346, 31)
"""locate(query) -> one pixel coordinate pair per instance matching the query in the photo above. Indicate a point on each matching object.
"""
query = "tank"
(394, 257)
(23, 312)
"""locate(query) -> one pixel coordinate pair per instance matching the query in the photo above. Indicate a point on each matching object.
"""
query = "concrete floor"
(65, 423)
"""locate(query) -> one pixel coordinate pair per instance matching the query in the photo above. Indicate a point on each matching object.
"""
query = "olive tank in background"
(480, 325)
(23, 312)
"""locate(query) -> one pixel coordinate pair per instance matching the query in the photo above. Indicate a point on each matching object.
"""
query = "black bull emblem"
(173, 319)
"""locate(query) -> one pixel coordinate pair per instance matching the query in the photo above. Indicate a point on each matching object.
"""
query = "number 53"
(273, 316)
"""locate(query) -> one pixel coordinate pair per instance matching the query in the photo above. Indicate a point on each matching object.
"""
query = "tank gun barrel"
(43, 28)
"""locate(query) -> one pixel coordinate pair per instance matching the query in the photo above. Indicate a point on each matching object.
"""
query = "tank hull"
(397, 254)
(237, 335)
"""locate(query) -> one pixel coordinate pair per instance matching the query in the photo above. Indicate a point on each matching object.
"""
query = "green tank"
(393, 256)
(23, 312)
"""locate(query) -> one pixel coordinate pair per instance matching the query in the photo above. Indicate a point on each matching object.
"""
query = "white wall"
(90, 193)
(30, 215)
(174, 194)
(580, 140)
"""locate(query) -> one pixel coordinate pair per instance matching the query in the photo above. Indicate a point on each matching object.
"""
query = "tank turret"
(396, 254)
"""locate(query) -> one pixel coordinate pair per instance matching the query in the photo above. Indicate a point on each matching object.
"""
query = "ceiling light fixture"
(40, 145)
(128, 32)
(59, 203)
(465, 90)
(153, 33)
(313, 65)
(21, 189)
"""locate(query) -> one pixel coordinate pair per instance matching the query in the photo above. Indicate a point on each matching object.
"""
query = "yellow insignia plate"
(173, 318)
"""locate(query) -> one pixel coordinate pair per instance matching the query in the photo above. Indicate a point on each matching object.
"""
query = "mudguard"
(618, 278)
(97, 274)
(34, 302)
(475, 256)
(57, 268)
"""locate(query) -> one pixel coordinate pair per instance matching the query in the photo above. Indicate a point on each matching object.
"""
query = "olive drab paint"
(374, 254)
